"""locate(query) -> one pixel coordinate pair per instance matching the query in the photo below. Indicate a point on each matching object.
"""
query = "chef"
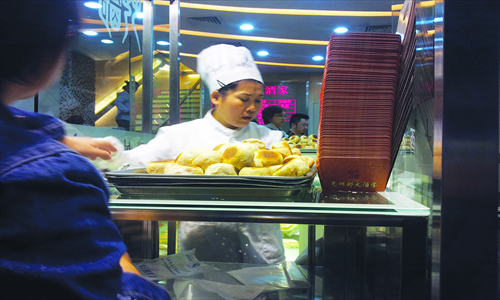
(236, 90)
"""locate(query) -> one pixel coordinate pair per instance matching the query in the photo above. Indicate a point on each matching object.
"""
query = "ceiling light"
(90, 32)
(340, 30)
(317, 57)
(263, 53)
(246, 27)
(140, 15)
(92, 5)
(165, 43)
(106, 41)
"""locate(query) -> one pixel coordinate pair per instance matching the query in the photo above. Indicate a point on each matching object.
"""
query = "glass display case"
(372, 245)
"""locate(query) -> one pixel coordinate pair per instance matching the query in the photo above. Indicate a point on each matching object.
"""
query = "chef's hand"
(89, 147)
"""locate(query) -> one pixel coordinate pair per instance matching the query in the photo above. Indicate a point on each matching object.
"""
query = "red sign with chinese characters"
(289, 105)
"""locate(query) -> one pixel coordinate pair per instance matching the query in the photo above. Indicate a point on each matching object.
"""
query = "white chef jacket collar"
(218, 126)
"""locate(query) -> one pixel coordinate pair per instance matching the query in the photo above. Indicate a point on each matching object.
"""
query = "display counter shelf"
(312, 207)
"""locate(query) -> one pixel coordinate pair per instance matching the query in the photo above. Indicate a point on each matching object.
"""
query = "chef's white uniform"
(215, 241)
(206, 132)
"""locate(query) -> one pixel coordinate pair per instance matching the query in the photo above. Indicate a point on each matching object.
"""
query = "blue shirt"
(57, 239)
(122, 103)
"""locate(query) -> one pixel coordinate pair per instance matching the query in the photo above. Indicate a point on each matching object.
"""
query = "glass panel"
(107, 55)
(189, 95)
(350, 262)
(412, 172)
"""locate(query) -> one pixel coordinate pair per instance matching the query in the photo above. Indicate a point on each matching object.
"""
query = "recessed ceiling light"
(165, 43)
(340, 30)
(90, 32)
(140, 15)
(317, 57)
(246, 27)
(92, 5)
(263, 53)
(106, 41)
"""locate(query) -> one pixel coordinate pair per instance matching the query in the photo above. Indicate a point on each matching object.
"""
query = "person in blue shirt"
(57, 239)
(122, 103)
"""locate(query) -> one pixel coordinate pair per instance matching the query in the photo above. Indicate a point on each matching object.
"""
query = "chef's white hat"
(222, 64)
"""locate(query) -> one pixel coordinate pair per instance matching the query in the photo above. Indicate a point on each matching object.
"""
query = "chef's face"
(238, 107)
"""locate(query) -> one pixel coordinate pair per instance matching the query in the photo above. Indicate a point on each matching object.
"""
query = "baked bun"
(313, 137)
(285, 139)
(289, 158)
(264, 158)
(283, 148)
(309, 147)
(207, 158)
(274, 168)
(256, 142)
(299, 146)
(296, 151)
(304, 139)
(294, 138)
(239, 155)
(222, 147)
(182, 169)
(188, 156)
(295, 167)
(309, 160)
(158, 167)
(220, 169)
(253, 171)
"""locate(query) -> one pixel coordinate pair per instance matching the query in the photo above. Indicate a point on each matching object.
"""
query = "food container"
(137, 181)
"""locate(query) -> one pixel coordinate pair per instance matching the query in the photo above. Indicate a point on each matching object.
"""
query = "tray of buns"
(137, 181)
(306, 144)
(228, 169)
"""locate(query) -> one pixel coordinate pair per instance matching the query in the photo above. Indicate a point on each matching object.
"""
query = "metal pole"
(147, 67)
(174, 111)
(131, 90)
(35, 108)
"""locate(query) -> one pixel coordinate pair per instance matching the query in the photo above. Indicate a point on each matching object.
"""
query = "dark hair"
(126, 87)
(34, 35)
(233, 85)
(269, 112)
(295, 119)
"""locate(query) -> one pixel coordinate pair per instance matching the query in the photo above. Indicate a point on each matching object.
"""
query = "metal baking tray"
(137, 181)
(217, 193)
(309, 150)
